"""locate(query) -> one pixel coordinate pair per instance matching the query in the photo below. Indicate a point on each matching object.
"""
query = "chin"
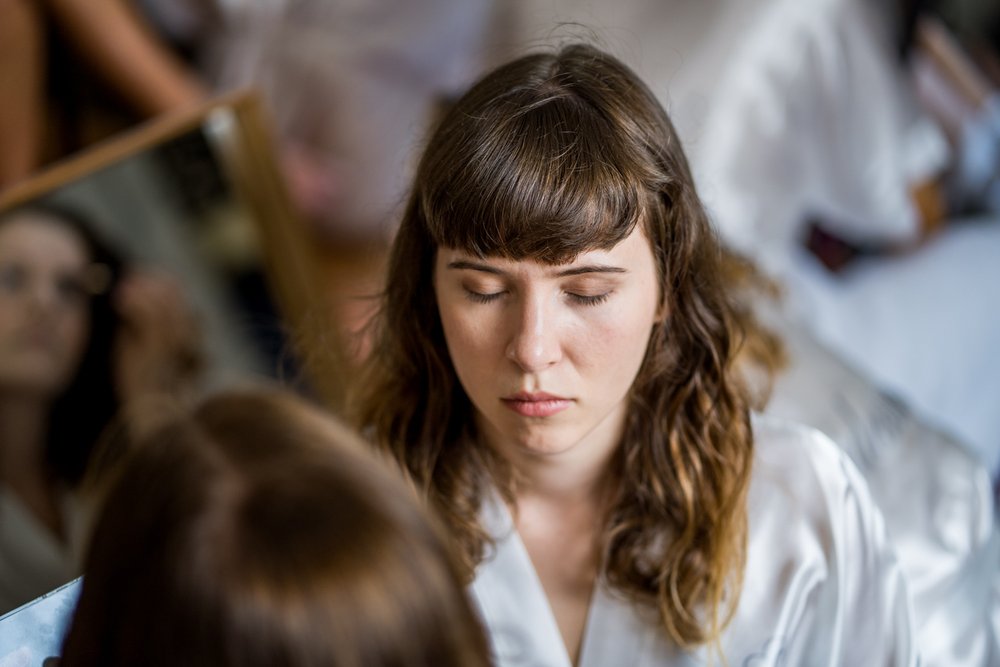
(543, 437)
(548, 444)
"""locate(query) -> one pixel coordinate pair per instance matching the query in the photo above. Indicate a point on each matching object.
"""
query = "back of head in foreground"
(256, 531)
(547, 157)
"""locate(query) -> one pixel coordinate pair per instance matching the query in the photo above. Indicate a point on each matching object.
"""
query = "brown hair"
(546, 157)
(762, 357)
(258, 531)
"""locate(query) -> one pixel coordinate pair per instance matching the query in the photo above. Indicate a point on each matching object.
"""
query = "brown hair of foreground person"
(257, 531)
(548, 157)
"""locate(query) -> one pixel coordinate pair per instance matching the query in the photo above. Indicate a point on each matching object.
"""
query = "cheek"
(468, 340)
(616, 344)
(10, 316)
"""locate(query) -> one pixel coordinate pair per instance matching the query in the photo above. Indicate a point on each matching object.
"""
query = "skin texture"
(576, 331)
(522, 326)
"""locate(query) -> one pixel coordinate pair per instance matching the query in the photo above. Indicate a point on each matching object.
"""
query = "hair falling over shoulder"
(546, 157)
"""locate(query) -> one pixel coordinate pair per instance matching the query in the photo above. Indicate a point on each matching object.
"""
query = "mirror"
(32, 635)
(197, 196)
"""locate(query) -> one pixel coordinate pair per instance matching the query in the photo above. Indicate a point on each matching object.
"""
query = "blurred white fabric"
(930, 315)
(814, 118)
(352, 85)
(925, 326)
(937, 499)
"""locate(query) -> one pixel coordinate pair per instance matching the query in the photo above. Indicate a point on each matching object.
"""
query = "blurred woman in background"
(77, 339)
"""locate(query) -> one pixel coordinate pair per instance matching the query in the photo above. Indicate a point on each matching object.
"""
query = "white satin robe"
(936, 497)
(814, 116)
(821, 587)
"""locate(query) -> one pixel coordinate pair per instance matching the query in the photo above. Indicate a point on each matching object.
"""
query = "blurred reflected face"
(548, 354)
(44, 316)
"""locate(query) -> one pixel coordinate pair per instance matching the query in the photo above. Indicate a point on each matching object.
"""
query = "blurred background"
(849, 149)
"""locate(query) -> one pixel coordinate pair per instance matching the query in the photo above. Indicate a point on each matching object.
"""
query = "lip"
(536, 404)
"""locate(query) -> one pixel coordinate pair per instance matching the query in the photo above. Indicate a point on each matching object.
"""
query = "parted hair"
(551, 155)
(258, 531)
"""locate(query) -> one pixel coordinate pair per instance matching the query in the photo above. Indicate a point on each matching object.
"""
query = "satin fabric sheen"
(821, 587)
(936, 498)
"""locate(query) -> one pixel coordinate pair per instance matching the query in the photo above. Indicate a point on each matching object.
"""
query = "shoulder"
(818, 557)
(802, 477)
(794, 461)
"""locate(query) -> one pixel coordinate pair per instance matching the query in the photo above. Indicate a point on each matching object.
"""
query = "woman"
(76, 340)
(553, 368)
(257, 531)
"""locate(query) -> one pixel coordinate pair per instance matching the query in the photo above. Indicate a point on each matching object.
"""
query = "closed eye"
(479, 297)
(588, 300)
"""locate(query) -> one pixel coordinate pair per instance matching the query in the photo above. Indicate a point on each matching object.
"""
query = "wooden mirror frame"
(239, 130)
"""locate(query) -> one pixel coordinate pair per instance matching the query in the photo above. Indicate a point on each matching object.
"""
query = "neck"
(23, 422)
(562, 479)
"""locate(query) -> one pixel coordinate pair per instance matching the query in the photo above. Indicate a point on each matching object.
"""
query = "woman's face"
(547, 354)
(44, 316)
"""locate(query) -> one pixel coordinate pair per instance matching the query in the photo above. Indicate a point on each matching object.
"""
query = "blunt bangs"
(506, 184)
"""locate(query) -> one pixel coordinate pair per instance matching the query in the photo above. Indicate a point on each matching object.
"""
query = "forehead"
(628, 254)
(34, 237)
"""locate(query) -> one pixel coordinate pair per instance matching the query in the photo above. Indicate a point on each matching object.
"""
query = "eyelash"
(576, 298)
(482, 298)
(589, 300)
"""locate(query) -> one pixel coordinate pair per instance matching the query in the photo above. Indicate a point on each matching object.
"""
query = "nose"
(535, 344)
(42, 296)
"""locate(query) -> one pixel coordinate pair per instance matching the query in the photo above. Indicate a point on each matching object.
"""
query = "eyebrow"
(572, 271)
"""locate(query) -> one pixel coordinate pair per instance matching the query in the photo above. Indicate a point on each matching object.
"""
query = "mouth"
(536, 404)
(38, 339)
